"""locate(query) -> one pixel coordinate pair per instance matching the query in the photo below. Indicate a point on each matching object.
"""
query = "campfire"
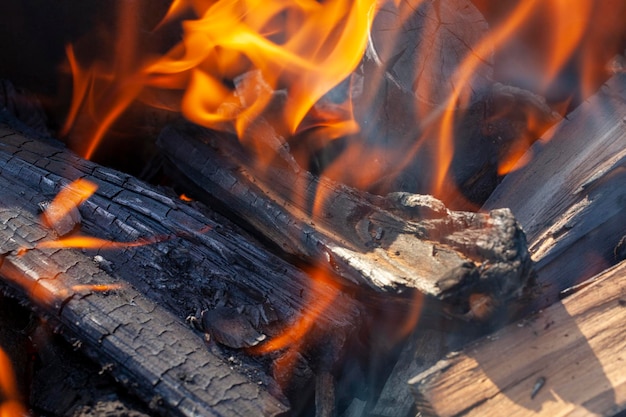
(316, 208)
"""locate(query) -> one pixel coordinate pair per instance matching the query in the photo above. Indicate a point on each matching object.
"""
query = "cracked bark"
(137, 331)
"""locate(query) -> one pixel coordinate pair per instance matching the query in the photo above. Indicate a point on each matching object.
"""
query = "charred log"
(390, 244)
(135, 328)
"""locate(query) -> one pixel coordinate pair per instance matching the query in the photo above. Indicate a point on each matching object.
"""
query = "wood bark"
(389, 244)
(137, 331)
(566, 360)
(569, 197)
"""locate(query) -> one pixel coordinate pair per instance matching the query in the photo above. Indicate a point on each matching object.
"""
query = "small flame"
(185, 197)
(11, 406)
(67, 200)
(89, 242)
(323, 293)
(292, 339)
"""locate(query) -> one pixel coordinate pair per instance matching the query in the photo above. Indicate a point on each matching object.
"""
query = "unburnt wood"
(390, 244)
(569, 192)
(566, 360)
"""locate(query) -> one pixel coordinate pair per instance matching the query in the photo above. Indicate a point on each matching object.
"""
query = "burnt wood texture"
(137, 329)
(389, 244)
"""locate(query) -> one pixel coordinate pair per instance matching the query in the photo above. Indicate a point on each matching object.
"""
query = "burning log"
(125, 303)
(569, 197)
(401, 241)
(565, 360)
(572, 183)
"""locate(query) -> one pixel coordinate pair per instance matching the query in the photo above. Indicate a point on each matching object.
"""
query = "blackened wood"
(566, 360)
(570, 196)
(139, 342)
(193, 262)
(386, 243)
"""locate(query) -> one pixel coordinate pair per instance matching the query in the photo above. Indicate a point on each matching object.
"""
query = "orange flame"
(460, 92)
(567, 24)
(68, 199)
(304, 46)
(185, 197)
(89, 242)
(243, 60)
(11, 406)
(322, 294)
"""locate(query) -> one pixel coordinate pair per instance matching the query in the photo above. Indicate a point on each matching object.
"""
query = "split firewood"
(566, 360)
(401, 241)
(158, 260)
(569, 192)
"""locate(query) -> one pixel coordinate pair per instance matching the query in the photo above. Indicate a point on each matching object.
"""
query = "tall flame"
(305, 47)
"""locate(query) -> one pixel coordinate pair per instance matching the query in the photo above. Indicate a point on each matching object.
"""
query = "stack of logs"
(184, 313)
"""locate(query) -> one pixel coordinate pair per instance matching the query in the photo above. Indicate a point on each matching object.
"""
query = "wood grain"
(577, 347)
(570, 196)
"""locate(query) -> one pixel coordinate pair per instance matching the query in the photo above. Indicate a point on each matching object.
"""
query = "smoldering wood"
(194, 262)
(569, 197)
(389, 244)
(565, 360)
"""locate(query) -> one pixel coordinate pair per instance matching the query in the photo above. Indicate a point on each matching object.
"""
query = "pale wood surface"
(570, 197)
(387, 244)
(578, 346)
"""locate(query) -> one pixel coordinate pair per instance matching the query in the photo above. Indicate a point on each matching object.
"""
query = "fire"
(66, 201)
(323, 293)
(243, 60)
(325, 290)
(305, 47)
(11, 406)
(251, 67)
(89, 242)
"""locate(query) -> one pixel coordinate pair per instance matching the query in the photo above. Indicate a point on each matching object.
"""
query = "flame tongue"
(306, 47)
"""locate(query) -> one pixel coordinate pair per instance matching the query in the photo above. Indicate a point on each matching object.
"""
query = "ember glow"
(306, 47)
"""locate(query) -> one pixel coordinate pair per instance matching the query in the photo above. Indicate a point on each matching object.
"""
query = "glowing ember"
(184, 197)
